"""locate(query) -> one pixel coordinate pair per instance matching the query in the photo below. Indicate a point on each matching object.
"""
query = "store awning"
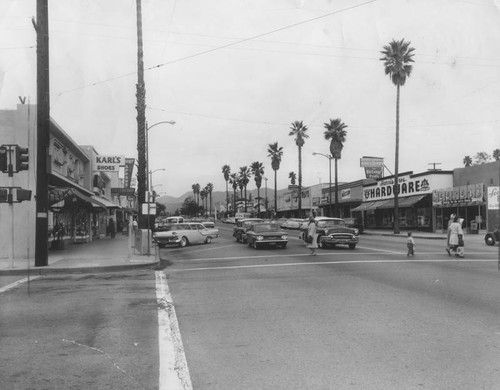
(363, 206)
(60, 197)
(410, 200)
(106, 202)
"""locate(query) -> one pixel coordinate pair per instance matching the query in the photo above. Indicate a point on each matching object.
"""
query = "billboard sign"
(493, 198)
(374, 166)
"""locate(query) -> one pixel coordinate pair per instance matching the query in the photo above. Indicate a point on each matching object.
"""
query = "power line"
(225, 46)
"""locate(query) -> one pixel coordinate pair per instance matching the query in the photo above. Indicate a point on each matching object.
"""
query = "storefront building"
(414, 201)
(467, 198)
(350, 196)
(288, 201)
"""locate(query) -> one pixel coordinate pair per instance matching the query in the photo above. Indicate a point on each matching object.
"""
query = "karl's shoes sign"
(108, 163)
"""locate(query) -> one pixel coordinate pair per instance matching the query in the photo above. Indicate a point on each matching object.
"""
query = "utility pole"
(434, 166)
(141, 119)
(43, 130)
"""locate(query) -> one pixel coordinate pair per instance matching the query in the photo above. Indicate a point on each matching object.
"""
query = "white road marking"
(17, 283)
(335, 262)
(174, 372)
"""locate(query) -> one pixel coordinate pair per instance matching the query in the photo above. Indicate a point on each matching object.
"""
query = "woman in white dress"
(456, 233)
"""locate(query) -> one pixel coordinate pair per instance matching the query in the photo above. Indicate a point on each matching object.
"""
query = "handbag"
(309, 239)
(461, 240)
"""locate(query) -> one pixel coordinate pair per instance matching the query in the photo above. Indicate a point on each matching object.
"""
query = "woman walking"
(311, 236)
(456, 238)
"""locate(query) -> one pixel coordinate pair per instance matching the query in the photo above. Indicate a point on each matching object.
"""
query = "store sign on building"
(345, 194)
(384, 189)
(493, 198)
(108, 163)
(129, 168)
(374, 166)
(459, 196)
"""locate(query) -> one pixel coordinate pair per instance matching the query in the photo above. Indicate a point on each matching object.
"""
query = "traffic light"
(23, 194)
(22, 158)
(3, 159)
(3, 195)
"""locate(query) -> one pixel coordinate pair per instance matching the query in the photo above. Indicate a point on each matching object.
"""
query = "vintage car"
(332, 232)
(354, 223)
(266, 233)
(491, 237)
(292, 223)
(242, 226)
(182, 234)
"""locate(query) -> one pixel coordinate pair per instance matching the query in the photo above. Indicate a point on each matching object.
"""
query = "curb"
(404, 236)
(39, 271)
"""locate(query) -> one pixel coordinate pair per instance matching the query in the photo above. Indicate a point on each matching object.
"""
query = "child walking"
(410, 243)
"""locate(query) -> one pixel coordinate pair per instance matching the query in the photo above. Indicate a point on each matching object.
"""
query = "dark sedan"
(266, 234)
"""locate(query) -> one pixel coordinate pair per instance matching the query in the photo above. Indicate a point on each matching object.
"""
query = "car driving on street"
(242, 226)
(183, 234)
(266, 234)
(332, 232)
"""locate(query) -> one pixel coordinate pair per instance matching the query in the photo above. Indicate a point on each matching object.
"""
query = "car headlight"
(356, 231)
(284, 237)
(260, 238)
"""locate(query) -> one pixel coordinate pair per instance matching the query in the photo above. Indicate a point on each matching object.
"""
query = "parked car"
(208, 224)
(242, 226)
(491, 237)
(266, 233)
(292, 223)
(182, 234)
(332, 232)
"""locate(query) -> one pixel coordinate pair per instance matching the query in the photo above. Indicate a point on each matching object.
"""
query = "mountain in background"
(218, 197)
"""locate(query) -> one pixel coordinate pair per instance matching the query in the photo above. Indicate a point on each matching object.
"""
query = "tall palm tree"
(467, 161)
(196, 191)
(397, 58)
(210, 188)
(257, 170)
(293, 177)
(336, 133)
(496, 154)
(203, 195)
(275, 152)
(299, 131)
(233, 179)
(226, 171)
(244, 176)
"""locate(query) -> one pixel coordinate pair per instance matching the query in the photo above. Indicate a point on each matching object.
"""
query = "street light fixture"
(329, 157)
(150, 173)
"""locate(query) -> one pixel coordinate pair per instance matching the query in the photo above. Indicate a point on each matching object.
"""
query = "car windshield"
(331, 223)
(267, 227)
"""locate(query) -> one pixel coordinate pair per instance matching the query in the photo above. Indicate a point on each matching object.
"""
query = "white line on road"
(335, 262)
(17, 283)
(174, 372)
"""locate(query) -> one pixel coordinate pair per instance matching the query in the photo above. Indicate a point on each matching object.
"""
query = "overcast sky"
(235, 74)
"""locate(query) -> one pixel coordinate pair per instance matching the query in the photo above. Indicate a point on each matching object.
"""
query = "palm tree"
(196, 191)
(210, 188)
(335, 132)
(299, 131)
(397, 58)
(293, 177)
(233, 179)
(467, 161)
(275, 152)
(226, 171)
(203, 195)
(257, 170)
(496, 154)
(244, 177)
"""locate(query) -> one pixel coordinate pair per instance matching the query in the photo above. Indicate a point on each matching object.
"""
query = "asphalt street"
(368, 318)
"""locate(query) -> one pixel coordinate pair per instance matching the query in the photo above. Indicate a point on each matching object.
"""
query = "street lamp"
(329, 157)
(267, 211)
(148, 173)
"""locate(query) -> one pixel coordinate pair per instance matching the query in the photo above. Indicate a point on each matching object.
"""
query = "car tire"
(208, 240)
(489, 240)
(352, 246)
(183, 242)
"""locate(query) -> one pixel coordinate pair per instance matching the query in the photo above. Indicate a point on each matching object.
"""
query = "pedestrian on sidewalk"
(311, 236)
(112, 228)
(410, 244)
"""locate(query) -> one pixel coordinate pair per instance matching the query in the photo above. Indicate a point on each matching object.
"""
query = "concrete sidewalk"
(473, 238)
(101, 255)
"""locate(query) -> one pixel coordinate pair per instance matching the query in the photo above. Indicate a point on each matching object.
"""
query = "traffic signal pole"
(43, 128)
